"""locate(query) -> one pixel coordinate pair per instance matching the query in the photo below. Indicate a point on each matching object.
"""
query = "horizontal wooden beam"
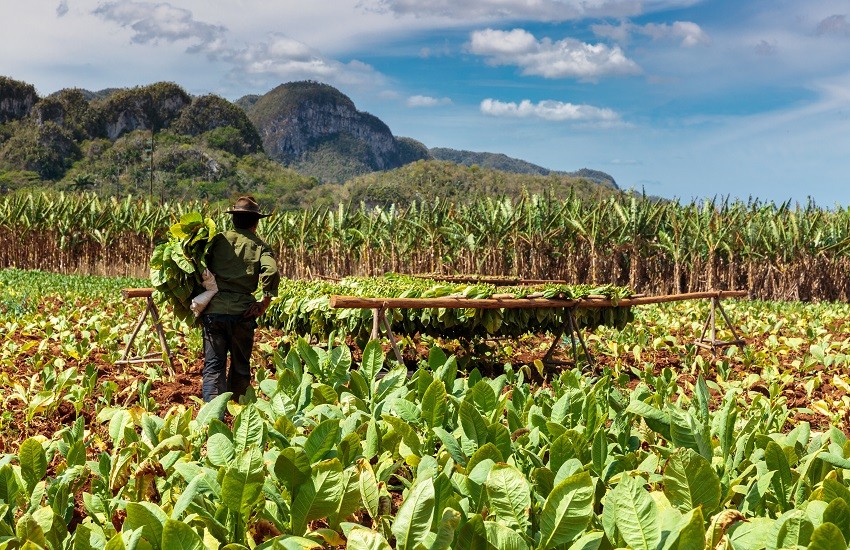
(137, 292)
(342, 302)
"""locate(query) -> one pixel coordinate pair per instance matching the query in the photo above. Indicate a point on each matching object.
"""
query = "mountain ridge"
(302, 140)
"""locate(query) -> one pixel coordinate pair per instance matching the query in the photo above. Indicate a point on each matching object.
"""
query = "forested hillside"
(301, 144)
(500, 161)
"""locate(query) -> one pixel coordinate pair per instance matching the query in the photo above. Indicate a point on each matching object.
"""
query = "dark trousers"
(225, 334)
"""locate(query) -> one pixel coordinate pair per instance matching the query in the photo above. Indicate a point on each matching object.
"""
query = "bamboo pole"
(337, 301)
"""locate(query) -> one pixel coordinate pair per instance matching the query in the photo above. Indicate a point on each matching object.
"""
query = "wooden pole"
(521, 303)
(136, 292)
(156, 322)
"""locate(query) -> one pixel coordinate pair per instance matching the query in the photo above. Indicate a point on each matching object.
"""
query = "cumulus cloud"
(539, 10)
(550, 110)
(834, 24)
(152, 22)
(427, 101)
(688, 33)
(287, 58)
(550, 59)
(277, 56)
(62, 8)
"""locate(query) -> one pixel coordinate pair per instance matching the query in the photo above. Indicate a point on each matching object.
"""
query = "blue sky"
(680, 98)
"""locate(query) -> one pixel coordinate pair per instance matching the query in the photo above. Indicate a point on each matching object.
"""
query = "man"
(242, 263)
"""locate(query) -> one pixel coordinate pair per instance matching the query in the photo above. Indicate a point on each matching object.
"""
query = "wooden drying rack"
(570, 326)
(156, 323)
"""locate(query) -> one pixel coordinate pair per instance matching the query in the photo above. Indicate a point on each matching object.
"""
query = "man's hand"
(257, 308)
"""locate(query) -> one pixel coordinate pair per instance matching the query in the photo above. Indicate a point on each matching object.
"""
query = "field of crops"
(776, 251)
(469, 445)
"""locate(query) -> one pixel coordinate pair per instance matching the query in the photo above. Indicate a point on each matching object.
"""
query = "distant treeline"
(777, 251)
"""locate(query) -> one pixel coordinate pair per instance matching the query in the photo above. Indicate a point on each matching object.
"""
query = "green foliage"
(19, 99)
(308, 455)
(317, 130)
(327, 452)
(177, 265)
(425, 180)
(152, 107)
(336, 158)
(226, 124)
(303, 307)
(46, 149)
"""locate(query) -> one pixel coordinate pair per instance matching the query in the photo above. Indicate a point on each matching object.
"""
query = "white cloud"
(278, 56)
(152, 22)
(560, 59)
(550, 110)
(537, 10)
(427, 101)
(690, 34)
(289, 59)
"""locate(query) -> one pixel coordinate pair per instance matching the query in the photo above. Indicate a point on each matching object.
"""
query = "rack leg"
(575, 330)
(141, 321)
(729, 324)
(389, 332)
(159, 330)
(376, 324)
(557, 340)
(570, 326)
(713, 318)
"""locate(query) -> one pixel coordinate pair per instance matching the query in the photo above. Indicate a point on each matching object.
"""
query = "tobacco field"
(470, 444)
(777, 251)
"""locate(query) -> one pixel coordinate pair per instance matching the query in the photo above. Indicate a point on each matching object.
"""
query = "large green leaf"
(434, 404)
(589, 541)
(413, 520)
(473, 535)
(501, 537)
(28, 529)
(214, 409)
(220, 449)
(689, 532)
(242, 486)
(248, 429)
(322, 439)
(777, 461)
(827, 537)
(509, 496)
(446, 530)
(838, 513)
(790, 530)
(149, 518)
(361, 538)
(452, 446)
(473, 424)
(177, 535)
(321, 497)
(373, 361)
(567, 511)
(369, 492)
(33, 461)
(690, 481)
(635, 512)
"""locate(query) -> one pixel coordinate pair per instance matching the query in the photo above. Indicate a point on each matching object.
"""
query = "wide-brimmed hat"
(247, 205)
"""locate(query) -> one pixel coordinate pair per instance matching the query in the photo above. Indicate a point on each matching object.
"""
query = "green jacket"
(241, 262)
